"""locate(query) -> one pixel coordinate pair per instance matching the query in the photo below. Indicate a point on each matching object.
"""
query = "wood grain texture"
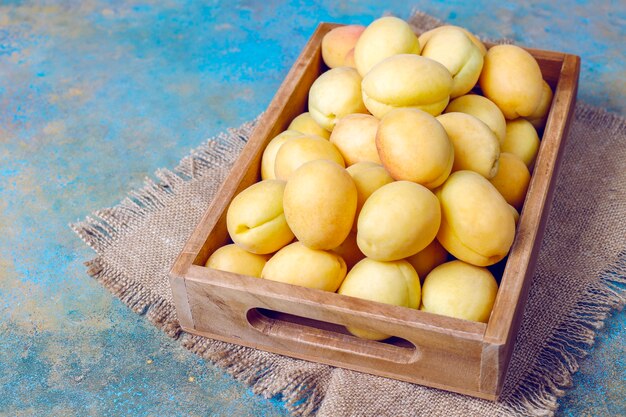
(437, 351)
(225, 305)
(513, 292)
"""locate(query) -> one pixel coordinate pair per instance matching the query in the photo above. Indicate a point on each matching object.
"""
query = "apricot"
(297, 264)
(349, 60)
(457, 289)
(512, 79)
(476, 147)
(383, 38)
(407, 81)
(232, 258)
(424, 37)
(522, 140)
(483, 109)
(269, 154)
(334, 94)
(394, 283)
(255, 219)
(512, 179)
(428, 258)
(320, 203)
(337, 43)
(398, 220)
(539, 117)
(414, 146)
(368, 177)
(355, 137)
(452, 47)
(305, 124)
(295, 152)
(349, 251)
(477, 224)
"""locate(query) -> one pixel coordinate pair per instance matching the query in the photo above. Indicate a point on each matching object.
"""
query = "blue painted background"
(96, 95)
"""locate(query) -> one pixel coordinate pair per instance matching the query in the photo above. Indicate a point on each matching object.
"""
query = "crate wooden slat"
(442, 352)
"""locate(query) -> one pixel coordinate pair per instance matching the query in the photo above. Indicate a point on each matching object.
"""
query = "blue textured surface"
(96, 95)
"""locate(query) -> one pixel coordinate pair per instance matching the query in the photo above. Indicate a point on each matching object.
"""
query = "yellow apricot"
(414, 146)
(300, 150)
(269, 154)
(398, 220)
(305, 124)
(428, 258)
(539, 117)
(407, 81)
(394, 283)
(452, 47)
(512, 179)
(368, 177)
(483, 109)
(335, 94)
(512, 79)
(522, 140)
(349, 251)
(297, 264)
(232, 258)
(255, 219)
(477, 225)
(476, 147)
(425, 37)
(337, 43)
(355, 137)
(457, 289)
(383, 38)
(320, 204)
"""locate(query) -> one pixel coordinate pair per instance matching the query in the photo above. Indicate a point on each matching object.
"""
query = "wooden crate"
(442, 352)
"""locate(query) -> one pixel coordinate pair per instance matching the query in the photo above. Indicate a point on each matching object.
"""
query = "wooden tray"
(442, 352)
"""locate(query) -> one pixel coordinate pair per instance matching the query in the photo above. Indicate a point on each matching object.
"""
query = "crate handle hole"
(325, 335)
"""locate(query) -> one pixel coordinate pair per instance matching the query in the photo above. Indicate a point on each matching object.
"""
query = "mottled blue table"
(95, 95)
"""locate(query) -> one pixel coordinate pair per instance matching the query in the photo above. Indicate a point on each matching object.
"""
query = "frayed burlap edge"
(303, 393)
(104, 227)
(539, 389)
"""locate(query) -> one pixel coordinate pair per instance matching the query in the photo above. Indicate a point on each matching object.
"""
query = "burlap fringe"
(303, 393)
(103, 228)
(538, 391)
(138, 298)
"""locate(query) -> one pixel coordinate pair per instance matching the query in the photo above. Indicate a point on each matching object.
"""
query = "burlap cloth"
(578, 281)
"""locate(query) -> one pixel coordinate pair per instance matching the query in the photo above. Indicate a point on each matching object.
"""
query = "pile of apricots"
(404, 180)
